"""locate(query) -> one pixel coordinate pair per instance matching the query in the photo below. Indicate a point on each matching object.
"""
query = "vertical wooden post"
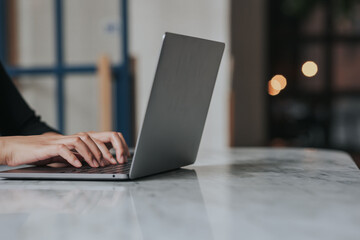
(248, 50)
(12, 32)
(105, 94)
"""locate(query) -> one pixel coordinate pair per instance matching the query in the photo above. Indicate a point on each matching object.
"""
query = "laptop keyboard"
(110, 169)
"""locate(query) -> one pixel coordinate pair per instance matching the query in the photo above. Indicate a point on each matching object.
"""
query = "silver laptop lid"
(178, 104)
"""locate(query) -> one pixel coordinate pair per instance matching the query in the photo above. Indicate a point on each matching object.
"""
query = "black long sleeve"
(16, 117)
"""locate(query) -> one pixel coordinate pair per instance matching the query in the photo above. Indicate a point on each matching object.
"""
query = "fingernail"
(122, 160)
(95, 163)
(78, 163)
(113, 160)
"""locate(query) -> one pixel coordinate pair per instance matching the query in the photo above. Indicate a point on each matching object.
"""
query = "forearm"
(51, 134)
(4, 151)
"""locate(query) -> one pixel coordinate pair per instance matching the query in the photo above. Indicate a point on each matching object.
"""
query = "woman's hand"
(92, 147)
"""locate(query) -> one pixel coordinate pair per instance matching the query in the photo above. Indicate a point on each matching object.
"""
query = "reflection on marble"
(106, 210)
(249, 193)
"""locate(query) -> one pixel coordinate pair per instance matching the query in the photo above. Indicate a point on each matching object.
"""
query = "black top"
(16, 117)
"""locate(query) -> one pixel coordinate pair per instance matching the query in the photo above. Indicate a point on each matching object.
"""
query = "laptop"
(174, 120)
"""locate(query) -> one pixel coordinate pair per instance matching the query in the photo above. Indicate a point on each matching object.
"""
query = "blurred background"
(289, 76)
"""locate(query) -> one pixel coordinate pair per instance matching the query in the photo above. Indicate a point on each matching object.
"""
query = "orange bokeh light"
(272, 91)
(281, 81)
(276, 84)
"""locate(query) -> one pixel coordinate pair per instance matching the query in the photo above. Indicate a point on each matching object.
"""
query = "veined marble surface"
(245, 193)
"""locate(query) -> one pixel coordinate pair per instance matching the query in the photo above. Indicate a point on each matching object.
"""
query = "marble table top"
(244, 193)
